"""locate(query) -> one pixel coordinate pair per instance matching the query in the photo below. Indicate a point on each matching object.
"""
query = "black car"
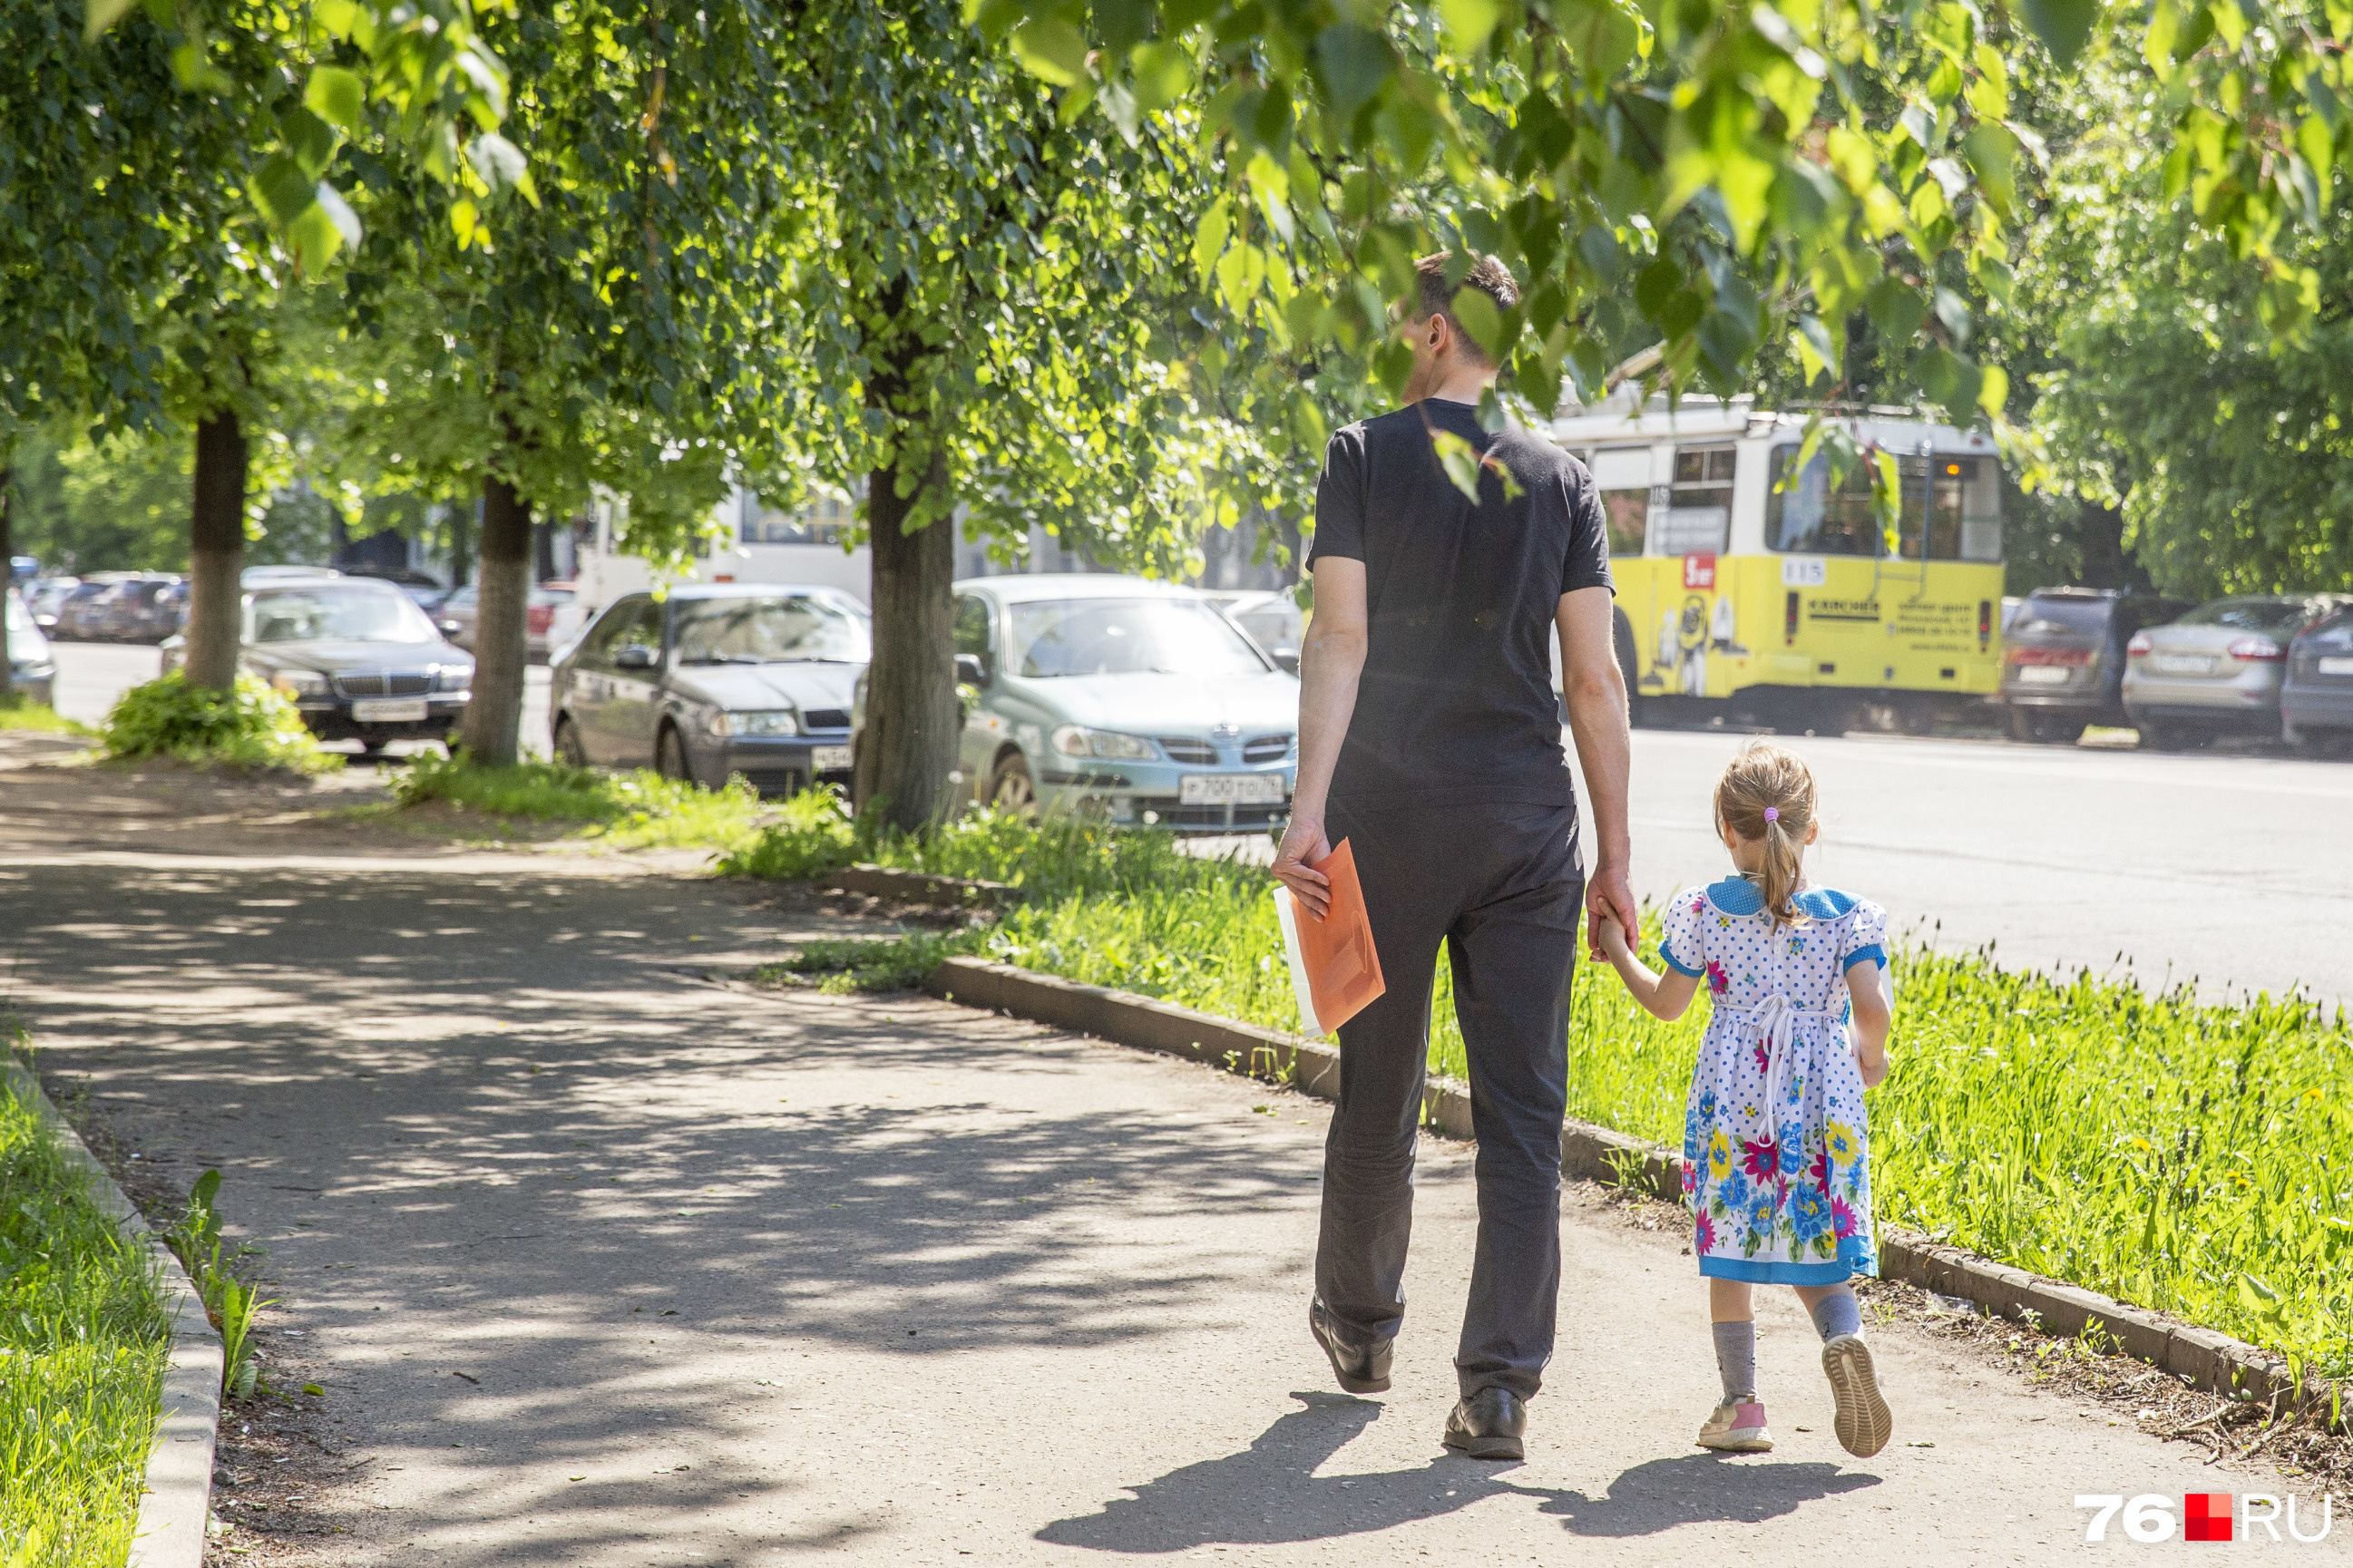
(751, 679)
(2063, 661)
(360, 660)
(2317, 695)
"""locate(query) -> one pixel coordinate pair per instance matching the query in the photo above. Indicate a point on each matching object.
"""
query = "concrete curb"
(922, 888)
(2207, 1359)
(178, 1494)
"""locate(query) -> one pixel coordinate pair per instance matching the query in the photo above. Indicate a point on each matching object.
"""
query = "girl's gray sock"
(1735, 1359)
(1836, 1315)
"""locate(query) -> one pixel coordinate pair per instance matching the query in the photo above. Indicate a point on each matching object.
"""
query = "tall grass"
(2189, 1157)
(635, 810)
(82, 1346)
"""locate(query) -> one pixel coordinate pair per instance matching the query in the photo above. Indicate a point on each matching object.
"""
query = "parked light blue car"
(1122, 700)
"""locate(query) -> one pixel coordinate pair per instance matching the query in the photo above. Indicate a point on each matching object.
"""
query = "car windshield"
(2249, 615)
(800, 629)
(1127, 637)
(338, 612)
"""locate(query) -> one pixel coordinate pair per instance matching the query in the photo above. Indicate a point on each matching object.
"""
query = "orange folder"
(1334, 969)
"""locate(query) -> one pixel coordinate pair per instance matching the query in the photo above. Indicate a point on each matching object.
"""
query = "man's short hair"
(1487, 274)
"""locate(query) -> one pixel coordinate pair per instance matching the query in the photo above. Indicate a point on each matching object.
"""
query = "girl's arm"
(1660, 995)
(1874, 1012)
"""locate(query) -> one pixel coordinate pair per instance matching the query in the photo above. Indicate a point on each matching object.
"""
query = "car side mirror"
(972, 670)
(637, 655)
(1287, 659)
(449, 628)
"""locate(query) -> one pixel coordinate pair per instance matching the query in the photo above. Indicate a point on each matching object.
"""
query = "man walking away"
(1428, 736)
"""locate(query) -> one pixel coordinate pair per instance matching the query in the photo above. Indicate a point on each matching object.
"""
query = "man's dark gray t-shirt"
(1456, 705)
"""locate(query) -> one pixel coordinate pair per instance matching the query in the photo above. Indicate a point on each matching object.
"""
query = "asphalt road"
(2235, 871)
(90, 675)
(600, 1265)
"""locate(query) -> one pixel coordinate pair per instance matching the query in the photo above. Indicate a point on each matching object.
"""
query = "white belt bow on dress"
(1775, 1020)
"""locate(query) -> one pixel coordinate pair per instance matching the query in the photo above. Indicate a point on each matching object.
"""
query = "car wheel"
(669, 755)
(2023, 727)
(373, 745)
(568, 749)
(1010, 787)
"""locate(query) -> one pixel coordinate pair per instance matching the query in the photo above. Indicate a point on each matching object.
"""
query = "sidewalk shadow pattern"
(1269, 1494)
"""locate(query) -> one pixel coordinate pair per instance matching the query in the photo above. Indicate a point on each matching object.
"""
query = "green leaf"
(1239, 273)
(1124, 23)
(1993, 153)
(1460, 461)
(2063, 25)
(497, 161)
(1209, 238)
(97, 15)
(1469, 23)
(1355, 61)
(283, 191)
(1896, 310)
(1815, 352)
(337, 96)
(1164, 74)
(1051, 49)
(310, 140)
(1488, 327)
(316, 236)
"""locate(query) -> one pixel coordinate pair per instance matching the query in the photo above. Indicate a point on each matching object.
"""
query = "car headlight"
(453, 678)
(1077, 741)
(299, 682)
(757, 721)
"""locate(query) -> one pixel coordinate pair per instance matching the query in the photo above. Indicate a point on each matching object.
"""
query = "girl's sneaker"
(1738, 1428)
(1863, 1422)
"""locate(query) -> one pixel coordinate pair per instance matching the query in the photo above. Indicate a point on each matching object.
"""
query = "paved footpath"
(740, 1278)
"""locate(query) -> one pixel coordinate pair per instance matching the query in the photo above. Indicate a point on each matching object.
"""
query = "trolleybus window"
(1960, 499)
(1699, 504)
(1805, 516)
(1623, 476)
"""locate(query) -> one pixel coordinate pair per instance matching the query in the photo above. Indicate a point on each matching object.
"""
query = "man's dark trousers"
(1503, 885)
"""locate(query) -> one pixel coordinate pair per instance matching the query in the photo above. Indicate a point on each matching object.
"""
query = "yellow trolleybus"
(1752, 593)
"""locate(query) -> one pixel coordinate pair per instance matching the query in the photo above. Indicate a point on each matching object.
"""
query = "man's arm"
(1596, 694)
(1331, 657)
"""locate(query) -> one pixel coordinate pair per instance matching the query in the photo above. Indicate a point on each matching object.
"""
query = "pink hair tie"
(1772, 814)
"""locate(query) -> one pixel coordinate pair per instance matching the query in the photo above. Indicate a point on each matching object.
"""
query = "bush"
(813, 835)
(635, 810)
(252, 727)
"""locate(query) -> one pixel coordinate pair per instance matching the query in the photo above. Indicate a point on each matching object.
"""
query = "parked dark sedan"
(2063, 660)
(751, 679)
(360, 660)
(2316, 696)
(84, 614)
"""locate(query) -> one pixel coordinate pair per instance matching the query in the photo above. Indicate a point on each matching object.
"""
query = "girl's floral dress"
(1776, 1143)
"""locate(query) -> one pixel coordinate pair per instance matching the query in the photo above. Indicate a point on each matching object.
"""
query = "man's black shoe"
(1488, 1424)
(1364, 1370)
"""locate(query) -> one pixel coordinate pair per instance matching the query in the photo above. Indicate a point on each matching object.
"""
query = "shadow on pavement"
(1269, 1494)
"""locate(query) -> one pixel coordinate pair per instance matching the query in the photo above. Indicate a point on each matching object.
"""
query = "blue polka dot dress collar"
(1738, 896)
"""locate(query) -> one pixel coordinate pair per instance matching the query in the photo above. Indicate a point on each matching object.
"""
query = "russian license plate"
(828, 759)
(2335, 666)
(2181, 664)
(1229, 789)
(389, 709)
(2042, 675)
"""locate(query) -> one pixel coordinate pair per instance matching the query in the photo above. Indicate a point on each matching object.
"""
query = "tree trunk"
(495, 719)
(8, 581)
(216, 552)
(908, 747)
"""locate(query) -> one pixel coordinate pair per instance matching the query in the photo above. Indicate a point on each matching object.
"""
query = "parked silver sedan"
(2216, 670)
(716, 680)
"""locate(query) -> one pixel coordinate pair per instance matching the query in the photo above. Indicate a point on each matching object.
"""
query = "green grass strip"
(2189, 1157)
(83, 1343)
(635, 810)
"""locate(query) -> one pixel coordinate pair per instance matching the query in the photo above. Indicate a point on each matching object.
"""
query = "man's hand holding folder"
(1334, 969)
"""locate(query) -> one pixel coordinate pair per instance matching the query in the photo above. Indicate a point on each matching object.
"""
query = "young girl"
(1774, 1138)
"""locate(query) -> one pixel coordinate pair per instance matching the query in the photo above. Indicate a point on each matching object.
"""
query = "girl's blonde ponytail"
(1766, 796)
